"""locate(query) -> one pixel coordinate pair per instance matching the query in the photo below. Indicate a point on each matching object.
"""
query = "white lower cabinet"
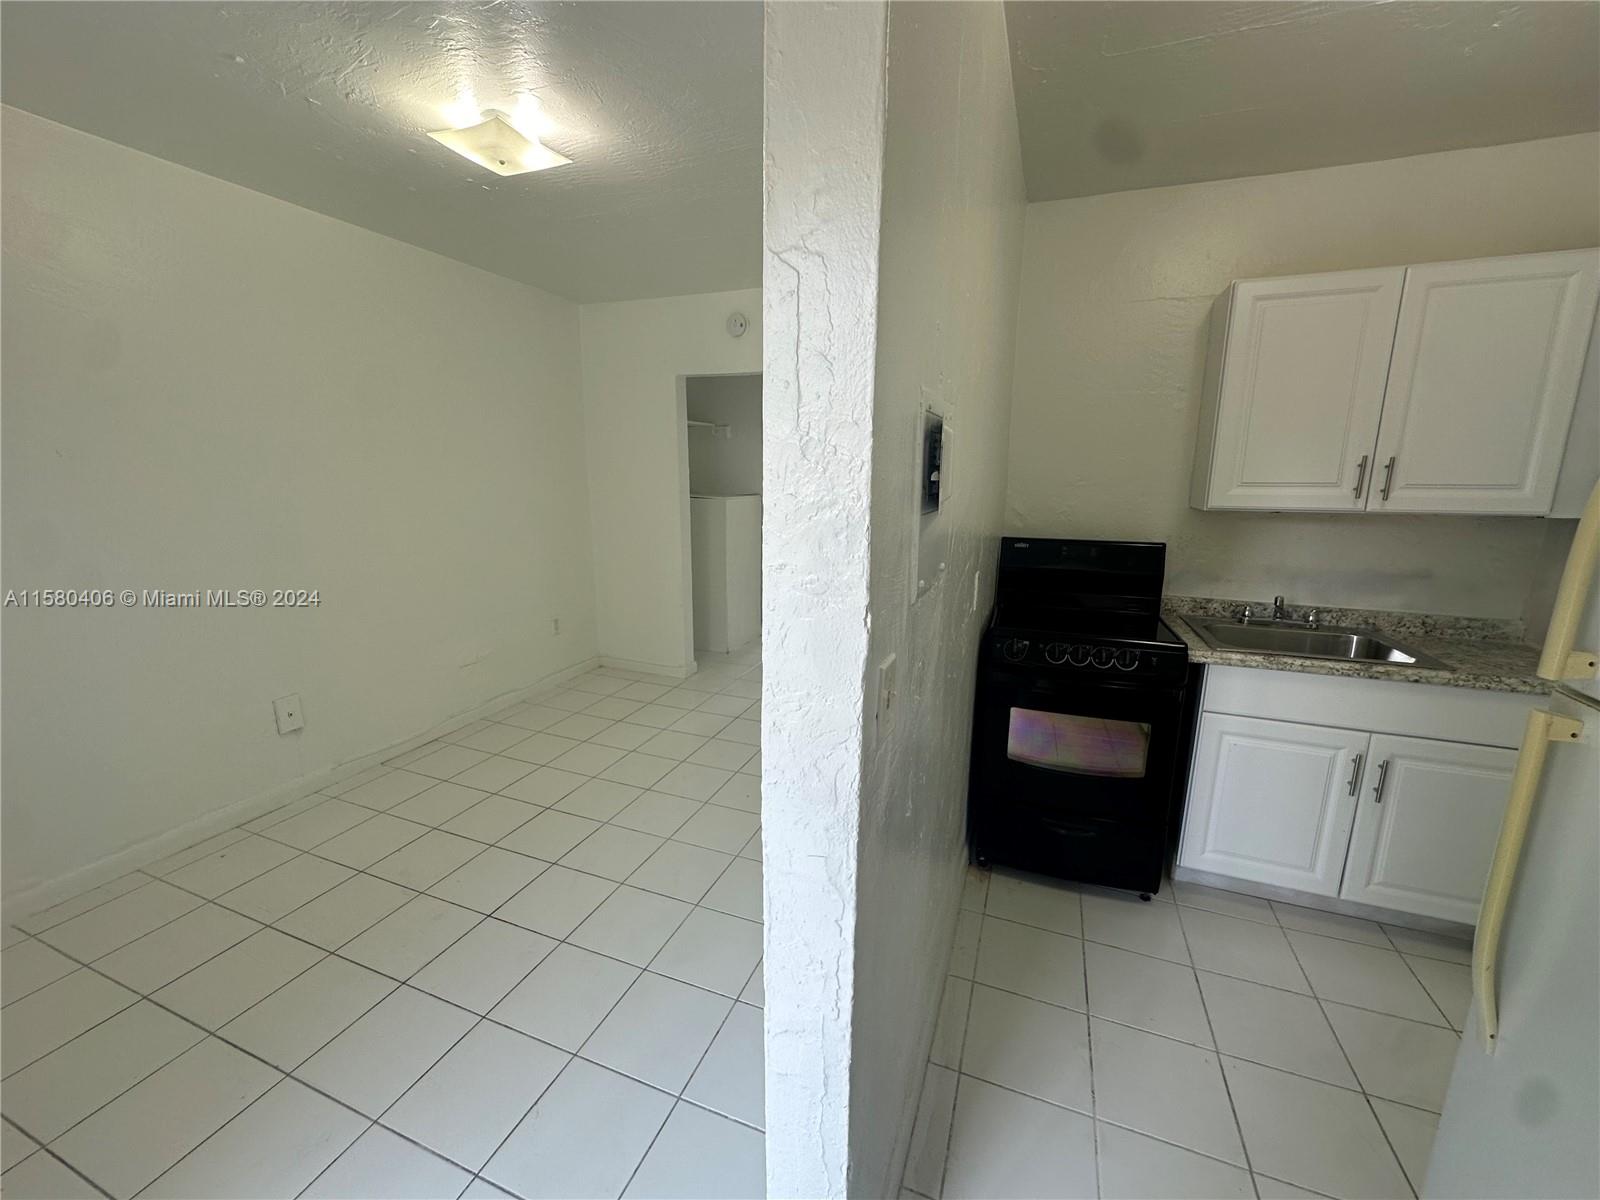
(1427, 818)
(1272, 801)
(1402, 823)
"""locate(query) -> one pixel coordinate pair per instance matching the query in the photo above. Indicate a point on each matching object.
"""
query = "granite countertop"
(1486, 654)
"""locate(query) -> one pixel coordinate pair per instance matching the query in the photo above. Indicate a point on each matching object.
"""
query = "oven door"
(1073, 777)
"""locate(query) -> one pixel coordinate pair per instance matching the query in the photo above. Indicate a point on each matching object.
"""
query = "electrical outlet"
(286, 710)
(888, 698)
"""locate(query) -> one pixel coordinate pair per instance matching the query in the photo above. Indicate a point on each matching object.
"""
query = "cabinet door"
(1292, 415)
(1426, 825)
(1487, 357)
(1272, 801)
(1580, 463)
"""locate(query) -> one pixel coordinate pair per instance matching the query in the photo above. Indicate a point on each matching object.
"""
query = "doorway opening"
(723, 433)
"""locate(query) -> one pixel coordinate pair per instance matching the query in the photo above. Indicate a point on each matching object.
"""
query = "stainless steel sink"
(1329, 641)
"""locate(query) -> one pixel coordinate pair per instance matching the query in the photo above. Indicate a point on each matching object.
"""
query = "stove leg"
(1145, 896)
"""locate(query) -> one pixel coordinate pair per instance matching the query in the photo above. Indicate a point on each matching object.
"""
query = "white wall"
(725, 533)
(205, 388)
(893, 252)
(726, 461)
(824, 79)
(636, 355)
(1110, 348)
(947, 287)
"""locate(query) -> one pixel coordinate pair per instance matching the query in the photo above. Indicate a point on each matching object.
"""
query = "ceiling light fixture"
(497, 144)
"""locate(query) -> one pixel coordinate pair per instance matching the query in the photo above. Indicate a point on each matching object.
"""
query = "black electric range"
(1082, 717)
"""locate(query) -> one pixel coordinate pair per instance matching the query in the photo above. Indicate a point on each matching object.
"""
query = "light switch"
(286, 710)
(888, 700)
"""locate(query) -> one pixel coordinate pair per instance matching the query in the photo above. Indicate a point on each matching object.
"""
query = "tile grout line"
(244, 826)
(483, 916)
(734, 857)
(632, 1175)
(578, 1054)
(76, 1036)
(218, 1034)
(1094, 1116)
(1426, 990)
(572, 1054)
(218, 899)
(961, 1046)
(1183, 1041)
(1359, 1088)
(480, 1018)
(312, 1182)
(473, 1171)
(41, 1148)
(1212, 912)
(1057, 1105)
(291, 1073)
(150, 998)
(1088, 1041)
(149, 879)
(1322, 1007)
(1227, 1088)
(730, 1007)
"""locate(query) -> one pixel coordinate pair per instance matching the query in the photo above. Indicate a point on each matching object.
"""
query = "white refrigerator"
(1522, 1115)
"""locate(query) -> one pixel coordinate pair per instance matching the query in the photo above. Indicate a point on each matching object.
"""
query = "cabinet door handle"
(1388, 477)
(1361, 475)
(1383, 774)
(1355, 773)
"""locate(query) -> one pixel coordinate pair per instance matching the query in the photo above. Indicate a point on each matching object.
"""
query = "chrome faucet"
(1280, 615)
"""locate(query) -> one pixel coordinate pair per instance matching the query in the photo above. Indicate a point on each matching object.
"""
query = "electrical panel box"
(933, 494)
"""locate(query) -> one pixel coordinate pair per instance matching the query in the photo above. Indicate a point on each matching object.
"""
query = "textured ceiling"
(327, 106)
(1114, 96)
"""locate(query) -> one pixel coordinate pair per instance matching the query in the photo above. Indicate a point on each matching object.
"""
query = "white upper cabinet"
(1580, 469)
(1487, 357)
(1444, 388)
(1294, 391)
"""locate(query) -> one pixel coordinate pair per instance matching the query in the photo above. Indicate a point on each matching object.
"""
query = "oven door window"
(1075, 745)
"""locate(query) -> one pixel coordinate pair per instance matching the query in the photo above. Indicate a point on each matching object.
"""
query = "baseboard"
(681, 671)
(33, 898)
(895, 1184)
(1332, 904)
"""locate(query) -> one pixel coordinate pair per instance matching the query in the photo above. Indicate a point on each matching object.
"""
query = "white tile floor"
(522, 960)
(1204, 1044)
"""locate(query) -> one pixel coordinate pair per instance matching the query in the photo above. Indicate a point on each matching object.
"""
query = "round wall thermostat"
(737, 324)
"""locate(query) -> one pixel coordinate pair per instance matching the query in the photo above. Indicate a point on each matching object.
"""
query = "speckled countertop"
(1486, 654)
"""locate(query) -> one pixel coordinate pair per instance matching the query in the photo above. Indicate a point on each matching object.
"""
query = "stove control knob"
(1078, 656)
(1015, 649)
(1127, 660)
(1103, 656)
(1056, 652)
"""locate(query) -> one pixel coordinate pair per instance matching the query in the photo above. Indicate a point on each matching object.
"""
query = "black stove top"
(1084, 605)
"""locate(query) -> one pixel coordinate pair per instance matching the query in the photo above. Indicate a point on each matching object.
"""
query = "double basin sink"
(1302, 641)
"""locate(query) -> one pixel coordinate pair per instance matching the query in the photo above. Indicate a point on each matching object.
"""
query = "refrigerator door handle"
(1541, 729)
(1561, 659)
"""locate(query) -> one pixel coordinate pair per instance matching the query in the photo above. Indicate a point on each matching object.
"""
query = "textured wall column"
(824, 167)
